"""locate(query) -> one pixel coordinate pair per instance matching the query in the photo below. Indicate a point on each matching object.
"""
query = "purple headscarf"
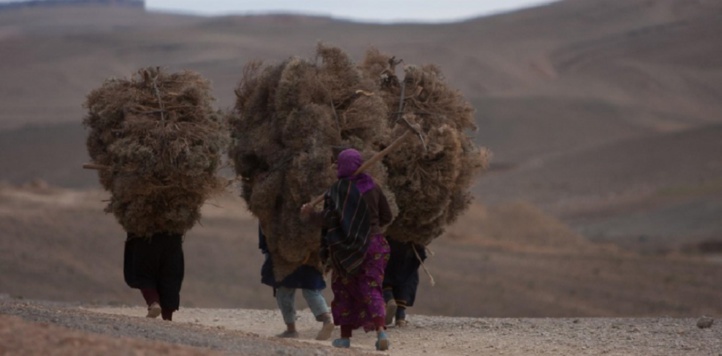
(349, 160)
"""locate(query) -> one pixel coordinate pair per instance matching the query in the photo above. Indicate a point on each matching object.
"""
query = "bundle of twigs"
(157, 143)
(290, 121)
(431, 185)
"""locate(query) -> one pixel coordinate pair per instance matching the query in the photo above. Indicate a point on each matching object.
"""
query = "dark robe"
(345, 238)
(402, 271)
(157, 263)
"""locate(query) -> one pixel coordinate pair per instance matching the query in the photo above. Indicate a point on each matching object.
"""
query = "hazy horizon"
(373, 11)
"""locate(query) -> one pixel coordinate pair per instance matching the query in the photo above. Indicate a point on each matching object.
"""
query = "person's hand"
(306, 209)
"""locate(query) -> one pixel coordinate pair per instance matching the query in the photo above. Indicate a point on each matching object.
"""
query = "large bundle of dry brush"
(431, 183)
(291, 120)
(157, 143)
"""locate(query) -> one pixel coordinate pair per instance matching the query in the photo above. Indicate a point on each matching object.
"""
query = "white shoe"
(153, 310)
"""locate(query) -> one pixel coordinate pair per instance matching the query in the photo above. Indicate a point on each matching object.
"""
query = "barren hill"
(603, 117)
(509, 260)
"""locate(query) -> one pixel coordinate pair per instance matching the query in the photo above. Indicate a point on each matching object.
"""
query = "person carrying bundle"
(355, 210)
(157, 142)
(309, 280)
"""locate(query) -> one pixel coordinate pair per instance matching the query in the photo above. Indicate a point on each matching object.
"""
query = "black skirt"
(156, 262)
(402, 271)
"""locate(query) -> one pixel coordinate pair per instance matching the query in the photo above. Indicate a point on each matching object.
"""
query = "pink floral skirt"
(358, 300)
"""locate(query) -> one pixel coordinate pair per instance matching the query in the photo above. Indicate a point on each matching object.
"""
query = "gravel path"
(252, 332)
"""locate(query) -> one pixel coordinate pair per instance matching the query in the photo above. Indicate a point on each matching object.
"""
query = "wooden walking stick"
(377, 157)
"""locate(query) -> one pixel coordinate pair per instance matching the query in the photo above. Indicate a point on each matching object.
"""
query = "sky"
(381, 11)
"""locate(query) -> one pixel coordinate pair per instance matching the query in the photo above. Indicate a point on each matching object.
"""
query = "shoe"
(326, 330)
(153, 310)
(288, 334)
(390, 311)
(402, 323)
(341, 343)
(382, 343)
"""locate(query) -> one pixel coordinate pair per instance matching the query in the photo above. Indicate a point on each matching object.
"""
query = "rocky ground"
(35, 327)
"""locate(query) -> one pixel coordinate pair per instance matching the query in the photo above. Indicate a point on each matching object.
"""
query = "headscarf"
(349, 160)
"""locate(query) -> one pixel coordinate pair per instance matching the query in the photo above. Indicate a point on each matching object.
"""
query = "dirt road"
(30, 327)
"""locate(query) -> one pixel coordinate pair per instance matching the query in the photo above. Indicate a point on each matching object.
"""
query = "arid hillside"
(602, 199)
(510, 260)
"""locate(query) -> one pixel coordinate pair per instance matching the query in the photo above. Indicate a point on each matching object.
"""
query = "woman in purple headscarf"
(355, 209)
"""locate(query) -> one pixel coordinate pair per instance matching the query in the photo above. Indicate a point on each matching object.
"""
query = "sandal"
(342, 343)
(383, 343)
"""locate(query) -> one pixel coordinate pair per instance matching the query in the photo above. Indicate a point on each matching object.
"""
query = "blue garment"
(286, 299)
(304, 277)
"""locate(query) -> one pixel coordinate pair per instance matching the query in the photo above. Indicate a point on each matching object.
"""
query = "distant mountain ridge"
(55, 3)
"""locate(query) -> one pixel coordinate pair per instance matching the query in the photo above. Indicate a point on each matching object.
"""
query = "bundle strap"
(431, 278)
